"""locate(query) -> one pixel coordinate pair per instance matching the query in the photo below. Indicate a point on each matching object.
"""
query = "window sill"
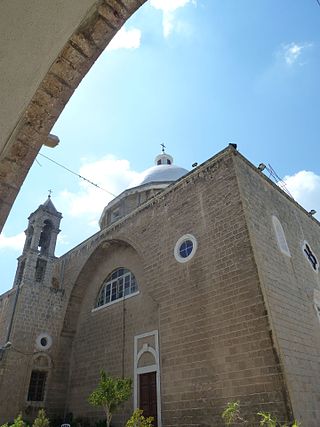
(114, 302)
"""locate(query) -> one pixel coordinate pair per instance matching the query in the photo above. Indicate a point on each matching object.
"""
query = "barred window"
(119, 284)
(40, 269)
(37, 386)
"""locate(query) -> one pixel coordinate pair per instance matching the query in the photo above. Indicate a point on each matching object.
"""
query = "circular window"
(43, 341)
(185, 248)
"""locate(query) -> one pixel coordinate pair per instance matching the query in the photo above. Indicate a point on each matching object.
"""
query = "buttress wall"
(289, 282)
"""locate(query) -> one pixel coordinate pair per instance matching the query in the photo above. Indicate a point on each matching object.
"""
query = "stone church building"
(201, 286)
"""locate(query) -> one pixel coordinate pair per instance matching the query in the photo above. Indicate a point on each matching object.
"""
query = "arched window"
(45, 236)
(29, 237)
(119, 284)
(281, 238)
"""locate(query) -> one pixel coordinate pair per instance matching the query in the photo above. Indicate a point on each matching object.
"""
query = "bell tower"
(35, 263)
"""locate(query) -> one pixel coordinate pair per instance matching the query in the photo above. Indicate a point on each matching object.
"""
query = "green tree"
(41, 420)
(110, 394)
(138, 420)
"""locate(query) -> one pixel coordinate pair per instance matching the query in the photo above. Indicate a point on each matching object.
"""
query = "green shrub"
(41, 420)
(231, 415)
(18, 422)
(138, 420)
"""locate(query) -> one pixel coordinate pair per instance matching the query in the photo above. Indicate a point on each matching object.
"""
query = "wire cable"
(318, 1)
(78, 175)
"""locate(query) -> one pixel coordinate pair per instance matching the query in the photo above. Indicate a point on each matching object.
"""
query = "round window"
(43, 341)
(185, 248)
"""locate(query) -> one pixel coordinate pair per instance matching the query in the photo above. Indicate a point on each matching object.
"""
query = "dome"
(160, 173)
(164, 171)
(146, 186)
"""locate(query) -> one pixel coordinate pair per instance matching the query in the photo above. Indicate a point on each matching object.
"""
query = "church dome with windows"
(163, 171)
(149, 183)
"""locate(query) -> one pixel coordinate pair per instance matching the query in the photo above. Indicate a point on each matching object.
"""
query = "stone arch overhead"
(64, 75)
(144, 350)
(37, 362)
(83, 278)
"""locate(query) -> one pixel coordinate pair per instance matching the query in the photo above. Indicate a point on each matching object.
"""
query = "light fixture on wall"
(312, 212)
(261, 167)
(5, 347)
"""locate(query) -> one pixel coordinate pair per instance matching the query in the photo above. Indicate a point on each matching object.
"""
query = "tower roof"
(49, 206)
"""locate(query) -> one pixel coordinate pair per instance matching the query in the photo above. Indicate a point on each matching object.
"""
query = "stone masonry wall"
(288, 285)
(215, 344)
(6, 307)
(38, 310)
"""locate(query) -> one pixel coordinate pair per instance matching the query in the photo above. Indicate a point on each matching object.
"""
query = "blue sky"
(195, 75)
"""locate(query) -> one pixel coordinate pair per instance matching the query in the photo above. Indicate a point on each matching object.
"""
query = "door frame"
(145, 347)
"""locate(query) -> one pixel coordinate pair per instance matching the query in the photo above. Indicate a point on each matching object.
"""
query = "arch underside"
(76, 58)
(104, 250)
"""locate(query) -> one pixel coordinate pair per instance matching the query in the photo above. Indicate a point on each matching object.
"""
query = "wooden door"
(148, 395)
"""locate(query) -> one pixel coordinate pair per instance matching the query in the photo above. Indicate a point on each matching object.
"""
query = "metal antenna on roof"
(163, 147)
(49, 193)
(278, 180)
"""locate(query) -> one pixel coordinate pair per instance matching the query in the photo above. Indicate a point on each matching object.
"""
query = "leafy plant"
(41, 420)
(110, 394)
(138, 420)
(18, 422)
(267, 420)
(232, 413)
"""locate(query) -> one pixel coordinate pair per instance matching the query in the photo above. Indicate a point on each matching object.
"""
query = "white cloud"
(14, 242)
(63, 239)
(305, 189)
(168, 7)
(292, 52)
(126, 39)
(111, 174)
